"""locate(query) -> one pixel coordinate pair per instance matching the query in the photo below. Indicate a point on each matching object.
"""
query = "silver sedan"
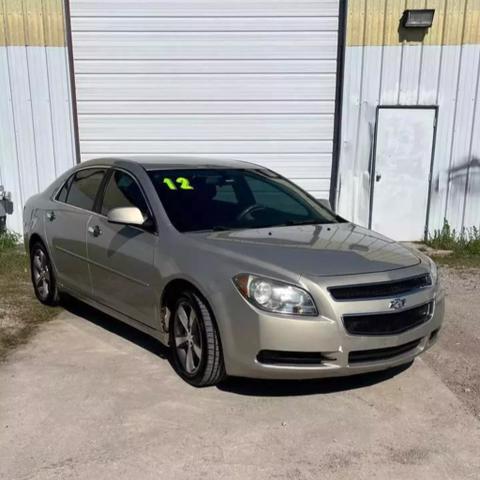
(236, 269)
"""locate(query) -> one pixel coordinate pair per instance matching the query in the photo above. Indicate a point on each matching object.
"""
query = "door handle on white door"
(378, 177)
(51, 215)
(95, 231)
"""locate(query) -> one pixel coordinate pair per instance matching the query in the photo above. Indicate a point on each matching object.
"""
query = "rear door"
(122, 257)
(66, 228)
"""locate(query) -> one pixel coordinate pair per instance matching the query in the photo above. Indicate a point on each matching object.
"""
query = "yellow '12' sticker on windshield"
(183, 183)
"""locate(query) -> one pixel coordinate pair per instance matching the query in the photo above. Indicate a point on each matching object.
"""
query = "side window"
(271, 196)
(123, 191)
(62, 194)
(84, 188)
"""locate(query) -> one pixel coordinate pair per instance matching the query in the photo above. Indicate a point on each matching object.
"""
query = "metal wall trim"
(71, 71)
(337, 126)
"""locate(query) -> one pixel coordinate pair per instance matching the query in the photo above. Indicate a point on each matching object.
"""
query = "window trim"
(101, 195)
(97, 206)
(55, 196)
(57, 193)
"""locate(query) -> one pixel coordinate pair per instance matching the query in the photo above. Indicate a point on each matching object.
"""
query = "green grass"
(465, 243)
(464, 246)
(20, 312)
(457, 260)
(8, 240)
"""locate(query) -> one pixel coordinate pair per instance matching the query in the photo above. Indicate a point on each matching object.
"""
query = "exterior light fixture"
(422, 18)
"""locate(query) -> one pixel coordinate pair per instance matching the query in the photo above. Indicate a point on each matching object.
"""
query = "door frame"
(435, 108)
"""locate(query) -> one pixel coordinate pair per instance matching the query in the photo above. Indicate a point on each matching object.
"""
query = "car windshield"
(228, 199)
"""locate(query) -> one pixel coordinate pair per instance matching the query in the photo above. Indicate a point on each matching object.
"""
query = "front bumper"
(246, 332)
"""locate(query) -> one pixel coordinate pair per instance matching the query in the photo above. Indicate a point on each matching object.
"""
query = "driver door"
(122, 257)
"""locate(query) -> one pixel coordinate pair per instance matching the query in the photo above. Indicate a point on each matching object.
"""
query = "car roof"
(157, 162)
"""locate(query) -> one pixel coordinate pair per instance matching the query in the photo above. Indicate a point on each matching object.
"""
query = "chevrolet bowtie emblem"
(397, 303)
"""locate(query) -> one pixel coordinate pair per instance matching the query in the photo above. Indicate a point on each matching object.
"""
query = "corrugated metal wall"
(36, 134)
(252, 80)
(390, 66)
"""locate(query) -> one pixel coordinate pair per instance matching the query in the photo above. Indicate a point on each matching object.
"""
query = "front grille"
(381, 353)
(376, 290)
(387, 323)
(272, 357)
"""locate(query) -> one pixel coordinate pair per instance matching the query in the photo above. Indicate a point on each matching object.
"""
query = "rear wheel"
(195, 343)
(43, 276)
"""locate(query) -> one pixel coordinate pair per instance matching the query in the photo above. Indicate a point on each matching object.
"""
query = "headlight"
(433, 271)
(274, 296)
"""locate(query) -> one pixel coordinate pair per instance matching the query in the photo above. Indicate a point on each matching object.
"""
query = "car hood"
(320, 250)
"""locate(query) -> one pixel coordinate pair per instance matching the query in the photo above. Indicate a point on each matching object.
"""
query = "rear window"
(62, 194)
(84, 188)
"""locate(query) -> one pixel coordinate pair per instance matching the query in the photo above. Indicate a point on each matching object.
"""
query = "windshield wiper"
(291, 223)
(220, 228)
(288, 223)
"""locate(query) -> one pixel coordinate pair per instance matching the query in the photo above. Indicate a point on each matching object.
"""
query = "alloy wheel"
(41, 274)
(188, 338)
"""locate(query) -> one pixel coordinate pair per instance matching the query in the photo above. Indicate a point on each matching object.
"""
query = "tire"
(43, 276)
(194, 342)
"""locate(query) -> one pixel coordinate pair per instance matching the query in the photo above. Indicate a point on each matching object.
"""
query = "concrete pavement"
(89, 398)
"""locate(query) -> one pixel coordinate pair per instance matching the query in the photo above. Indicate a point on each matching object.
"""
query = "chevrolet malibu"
(236, 269)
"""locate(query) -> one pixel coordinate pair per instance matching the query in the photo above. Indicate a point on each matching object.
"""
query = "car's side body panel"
(123, 271)
(66, 238)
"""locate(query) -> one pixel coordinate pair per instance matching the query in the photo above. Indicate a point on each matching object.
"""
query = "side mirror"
(126, 216)
(324, 203)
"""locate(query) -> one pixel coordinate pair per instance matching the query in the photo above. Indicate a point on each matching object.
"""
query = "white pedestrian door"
(403, 155)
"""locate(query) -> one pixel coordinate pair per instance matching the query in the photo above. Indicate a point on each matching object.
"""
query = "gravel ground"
(88, 397)
(456, 357)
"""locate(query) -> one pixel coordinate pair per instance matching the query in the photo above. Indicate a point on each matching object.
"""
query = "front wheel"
(43, 276)
(195, 343)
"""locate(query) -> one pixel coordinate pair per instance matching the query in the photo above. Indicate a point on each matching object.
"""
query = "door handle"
(378, 177)
(96, 231)
(51, 216)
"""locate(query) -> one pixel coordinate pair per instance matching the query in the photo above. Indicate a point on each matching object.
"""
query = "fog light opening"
(273, 357)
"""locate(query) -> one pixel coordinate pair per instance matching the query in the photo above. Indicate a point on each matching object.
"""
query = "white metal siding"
(443, 75)
(246, 79)
(36, 141)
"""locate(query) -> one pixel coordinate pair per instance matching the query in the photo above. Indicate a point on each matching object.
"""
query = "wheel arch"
(175, 286)
(170, 292)
(34, 238)
(214, 366)
(52, 297)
